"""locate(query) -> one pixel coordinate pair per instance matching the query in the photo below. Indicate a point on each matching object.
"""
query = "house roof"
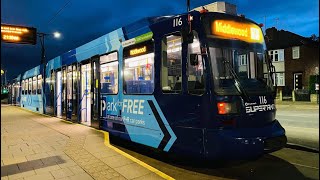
(280, 39)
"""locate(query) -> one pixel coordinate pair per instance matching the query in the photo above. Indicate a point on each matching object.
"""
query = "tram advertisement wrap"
(132, 110)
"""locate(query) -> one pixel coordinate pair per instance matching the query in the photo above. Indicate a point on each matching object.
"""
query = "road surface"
(302, 126)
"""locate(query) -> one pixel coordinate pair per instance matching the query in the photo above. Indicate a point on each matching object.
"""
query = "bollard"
(280, 94)
(293, 96)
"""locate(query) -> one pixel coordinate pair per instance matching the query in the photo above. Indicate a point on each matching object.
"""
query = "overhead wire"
(59, 11)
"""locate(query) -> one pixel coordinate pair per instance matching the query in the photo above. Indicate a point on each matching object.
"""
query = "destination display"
(138, 49)
(18, 34)
(230, 29)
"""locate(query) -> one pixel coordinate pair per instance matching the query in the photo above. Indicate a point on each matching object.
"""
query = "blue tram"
(196, 84)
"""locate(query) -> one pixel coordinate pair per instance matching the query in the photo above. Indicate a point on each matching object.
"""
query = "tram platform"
(34, 146)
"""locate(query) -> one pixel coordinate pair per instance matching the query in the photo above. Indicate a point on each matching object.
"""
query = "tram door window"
(195, 72)
(171, 76)
(34, 85)
(95, 87)
(17, 89)
(30, 86)
(109, 73)
(39, 91)
(64, 92)
(13, 96)
(59, 95)
(85, 96)
(22, 86)
(26, 86)
(72, 86)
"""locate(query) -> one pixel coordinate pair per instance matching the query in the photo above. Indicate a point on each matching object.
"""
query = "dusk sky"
(80, 21)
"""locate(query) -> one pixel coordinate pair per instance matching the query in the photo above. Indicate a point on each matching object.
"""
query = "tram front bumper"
(244, 143)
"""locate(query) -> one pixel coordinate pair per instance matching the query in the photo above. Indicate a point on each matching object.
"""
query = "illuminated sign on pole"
(18, 34)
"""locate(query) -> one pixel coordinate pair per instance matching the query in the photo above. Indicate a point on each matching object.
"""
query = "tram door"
(58, 94)
(64, 92)
(95, 91)
(18, 94)
(85, 94)
(72, 93)
(13, 94)
(50, 94)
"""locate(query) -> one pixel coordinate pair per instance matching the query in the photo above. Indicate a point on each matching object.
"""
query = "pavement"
(296, 105)
(35, 146)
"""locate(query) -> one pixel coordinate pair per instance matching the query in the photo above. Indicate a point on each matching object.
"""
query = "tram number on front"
(263, 100)
(177, 22)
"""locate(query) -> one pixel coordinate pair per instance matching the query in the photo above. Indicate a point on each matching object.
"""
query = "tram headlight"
(227, 108)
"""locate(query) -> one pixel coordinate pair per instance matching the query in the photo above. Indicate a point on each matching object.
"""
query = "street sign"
(317, 87)
(18, 34)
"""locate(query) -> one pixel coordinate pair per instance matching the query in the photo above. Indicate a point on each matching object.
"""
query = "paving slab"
(35, 146)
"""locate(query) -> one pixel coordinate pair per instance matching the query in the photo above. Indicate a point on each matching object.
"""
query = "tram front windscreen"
(237, 56)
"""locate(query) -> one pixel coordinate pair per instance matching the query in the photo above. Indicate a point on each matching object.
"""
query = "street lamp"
(43, 58)
(42, 36)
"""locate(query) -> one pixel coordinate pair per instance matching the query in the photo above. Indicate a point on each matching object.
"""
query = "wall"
(309, 59)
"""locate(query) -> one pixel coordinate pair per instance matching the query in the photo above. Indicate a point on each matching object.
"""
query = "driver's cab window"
(171, 76)
(195, 67)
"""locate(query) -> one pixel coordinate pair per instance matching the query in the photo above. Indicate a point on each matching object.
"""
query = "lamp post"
(43, 59)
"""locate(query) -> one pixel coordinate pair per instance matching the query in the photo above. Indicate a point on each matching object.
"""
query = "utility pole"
(43, 61)
(277, 22)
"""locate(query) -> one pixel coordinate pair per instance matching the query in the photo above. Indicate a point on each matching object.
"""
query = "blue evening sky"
(80, 21)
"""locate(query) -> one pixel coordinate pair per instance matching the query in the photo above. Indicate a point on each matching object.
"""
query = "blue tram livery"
(195, 84)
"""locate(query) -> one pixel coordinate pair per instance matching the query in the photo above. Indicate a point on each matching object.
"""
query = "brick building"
(294, 57)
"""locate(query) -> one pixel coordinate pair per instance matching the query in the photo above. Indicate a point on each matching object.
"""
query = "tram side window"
(30, 86)
(22, 85)
(34, 85)
(26, 86)
(195, 72)
(109, 73)
(39, 84)
(171, 79)
(139, 69)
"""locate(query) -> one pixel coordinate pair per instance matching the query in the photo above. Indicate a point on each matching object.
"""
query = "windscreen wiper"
(239, 87)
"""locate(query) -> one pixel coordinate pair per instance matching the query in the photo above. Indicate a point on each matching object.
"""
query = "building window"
(296, 52)
(276, 55)
(243, 60)
(279, 78)
(109, 73)
(171, 77)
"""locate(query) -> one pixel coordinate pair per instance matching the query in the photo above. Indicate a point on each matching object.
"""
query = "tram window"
(39, 84)
(195, 73)
(26, 86)
(139, 74)
(69, 83)
(139, 68)
(22, 83)
(109, 73)
(34, 85)
(30, 86)
(171, 64)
